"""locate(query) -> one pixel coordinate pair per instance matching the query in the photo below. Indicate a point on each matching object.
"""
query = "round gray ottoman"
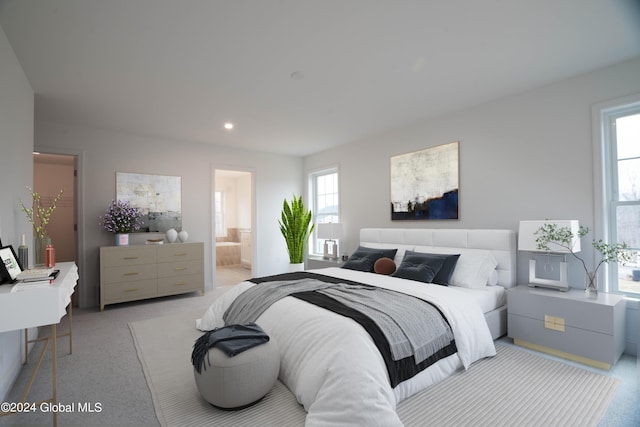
(239, 381)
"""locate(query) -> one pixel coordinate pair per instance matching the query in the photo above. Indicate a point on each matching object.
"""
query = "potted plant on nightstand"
(563, 236)
(296, 226)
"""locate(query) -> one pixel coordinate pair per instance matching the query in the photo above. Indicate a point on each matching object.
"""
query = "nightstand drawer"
(574, 307)
(591, 345)
(568, 324)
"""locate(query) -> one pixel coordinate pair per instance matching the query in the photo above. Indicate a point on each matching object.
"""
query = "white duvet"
(331, 364)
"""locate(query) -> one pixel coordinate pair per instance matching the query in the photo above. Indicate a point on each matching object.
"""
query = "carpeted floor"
(506, 390)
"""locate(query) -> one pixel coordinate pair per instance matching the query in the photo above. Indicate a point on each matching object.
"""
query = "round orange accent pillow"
(384, 266)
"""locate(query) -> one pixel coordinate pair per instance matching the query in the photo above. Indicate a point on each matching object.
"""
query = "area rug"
(515, 388)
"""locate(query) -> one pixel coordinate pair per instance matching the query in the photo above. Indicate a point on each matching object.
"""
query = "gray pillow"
(420, 267)
(363, 259)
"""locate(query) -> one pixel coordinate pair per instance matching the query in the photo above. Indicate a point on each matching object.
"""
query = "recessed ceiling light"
(228, 126)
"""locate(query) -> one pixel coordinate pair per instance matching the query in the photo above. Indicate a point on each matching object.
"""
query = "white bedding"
(332, 365)
(489, 298)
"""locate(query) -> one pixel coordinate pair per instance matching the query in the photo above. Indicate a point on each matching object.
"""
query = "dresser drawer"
(120, 292)
(173, 269)
(115, 256)
(178, 285)
(180, 252)
(128, 273)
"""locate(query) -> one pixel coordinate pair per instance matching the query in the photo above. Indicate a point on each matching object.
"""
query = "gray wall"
(528, 156)
(16, 172)
(102, 153)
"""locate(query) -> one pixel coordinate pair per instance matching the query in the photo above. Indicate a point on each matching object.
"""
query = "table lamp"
(330, 231)
(527, 242)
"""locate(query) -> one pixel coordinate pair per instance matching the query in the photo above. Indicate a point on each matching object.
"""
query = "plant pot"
(122, 239)
(296, 267)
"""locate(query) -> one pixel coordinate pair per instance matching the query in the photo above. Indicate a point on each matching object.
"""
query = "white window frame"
(314, 243)
(605, 176)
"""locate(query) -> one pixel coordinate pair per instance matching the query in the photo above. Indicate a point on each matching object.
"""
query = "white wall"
(528, 156)
(16, 172)
(104, 152)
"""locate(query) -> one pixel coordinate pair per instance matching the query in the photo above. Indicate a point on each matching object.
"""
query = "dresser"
(129, 273)
(568, 324)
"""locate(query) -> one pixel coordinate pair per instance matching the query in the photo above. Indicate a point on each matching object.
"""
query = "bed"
(332, 364)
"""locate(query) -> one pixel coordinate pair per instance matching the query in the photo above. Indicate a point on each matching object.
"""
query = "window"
(621, 152)
(323, 190)
(221, 230)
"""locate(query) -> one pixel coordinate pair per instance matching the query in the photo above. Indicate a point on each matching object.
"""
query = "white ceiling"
(180, 69)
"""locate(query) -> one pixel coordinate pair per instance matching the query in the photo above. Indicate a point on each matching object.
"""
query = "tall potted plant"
(296, 226)
(564, 237)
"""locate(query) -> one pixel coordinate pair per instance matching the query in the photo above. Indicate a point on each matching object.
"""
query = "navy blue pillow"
(416, 266)
(363, 259)
(443, 277)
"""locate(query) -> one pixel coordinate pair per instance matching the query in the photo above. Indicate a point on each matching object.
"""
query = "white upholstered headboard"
(502, 244)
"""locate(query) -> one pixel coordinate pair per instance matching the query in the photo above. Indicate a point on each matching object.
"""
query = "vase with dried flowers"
(564, 237)
(121, 218)
(39, 216)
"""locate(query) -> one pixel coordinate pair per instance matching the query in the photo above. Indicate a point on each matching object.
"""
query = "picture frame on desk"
(10, 265)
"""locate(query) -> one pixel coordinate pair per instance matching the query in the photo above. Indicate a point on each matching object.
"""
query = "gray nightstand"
(316, 261)
(568, 324)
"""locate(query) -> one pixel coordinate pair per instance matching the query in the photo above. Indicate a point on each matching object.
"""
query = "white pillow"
(493, 278)
(473, 269)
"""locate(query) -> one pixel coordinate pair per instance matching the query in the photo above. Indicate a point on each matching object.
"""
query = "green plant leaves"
(295, 226)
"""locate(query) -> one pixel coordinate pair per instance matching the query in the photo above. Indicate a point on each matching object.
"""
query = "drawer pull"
(134, 273)
(180, 254)
(180, 284)
(181, 268)
(131, 257)
(131, 290)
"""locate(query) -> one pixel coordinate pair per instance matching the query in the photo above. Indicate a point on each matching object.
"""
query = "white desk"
(39, 307)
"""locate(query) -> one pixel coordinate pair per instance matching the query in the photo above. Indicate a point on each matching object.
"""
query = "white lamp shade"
(527, 236)
(330, 230)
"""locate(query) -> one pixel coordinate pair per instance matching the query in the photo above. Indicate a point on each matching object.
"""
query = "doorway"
(52, 173)
(233, 226)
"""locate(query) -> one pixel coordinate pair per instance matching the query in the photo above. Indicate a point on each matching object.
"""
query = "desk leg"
(71, 327)
(54, 370)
